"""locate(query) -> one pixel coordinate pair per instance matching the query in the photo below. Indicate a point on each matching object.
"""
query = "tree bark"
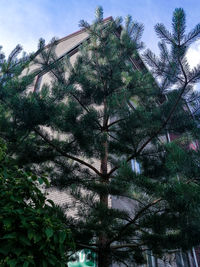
(103, 258)
(103, 254)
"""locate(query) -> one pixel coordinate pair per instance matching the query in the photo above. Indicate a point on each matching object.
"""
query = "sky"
(25, 21)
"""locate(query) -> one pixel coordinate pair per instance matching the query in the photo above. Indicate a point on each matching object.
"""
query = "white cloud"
(193, 54)
(193, 57)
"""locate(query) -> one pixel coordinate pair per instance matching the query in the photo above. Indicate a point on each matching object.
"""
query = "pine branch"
(64, 154)
(75, 97)
(161, 128)
(183, 70)
(194, 75)
(126, 245)
(163, 125)
(113, 137)
(20, 142)
(115, 122)
(178, 23)
(164, 34)
(196, 110)
(14, 54)
(137, 216)
(121, 261)
(152, 61)
(192, 35)
(99, 14)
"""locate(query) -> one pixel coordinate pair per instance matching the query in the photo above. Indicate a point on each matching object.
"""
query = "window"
(135, 166)
(151, 260)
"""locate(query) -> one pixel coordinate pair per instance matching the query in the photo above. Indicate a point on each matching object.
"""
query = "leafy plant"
(32, 229)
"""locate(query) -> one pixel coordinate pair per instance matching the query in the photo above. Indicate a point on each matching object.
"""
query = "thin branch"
(88, 246)
(66, 154)
(113, 137)
(183, 71)
(131, 105)
(189, 39)
(164, 71)
(195, 180)
(165, 35)
(114, 122)
(127, 245)
(156, 133)
(196, 110)
(135, 219)
(75, 97)
(21, 141)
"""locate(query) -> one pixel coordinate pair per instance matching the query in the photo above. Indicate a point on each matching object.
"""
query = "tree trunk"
(103, 254)
(103, 258)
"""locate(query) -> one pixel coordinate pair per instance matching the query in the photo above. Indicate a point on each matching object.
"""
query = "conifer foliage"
(108, 111)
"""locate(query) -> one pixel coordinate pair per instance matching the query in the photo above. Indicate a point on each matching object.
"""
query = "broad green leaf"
(40, 180)
(62, 236)
(49, 232)
(9, 236)
(12, 263)
(26, 264)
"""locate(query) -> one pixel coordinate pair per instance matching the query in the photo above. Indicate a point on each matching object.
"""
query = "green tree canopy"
(108, 111)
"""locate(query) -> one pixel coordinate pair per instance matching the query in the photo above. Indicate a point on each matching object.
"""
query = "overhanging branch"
(156, 133)
(135, 219)
(64, 154)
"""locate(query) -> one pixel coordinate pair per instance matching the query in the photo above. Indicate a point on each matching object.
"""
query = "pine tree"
(89, 125)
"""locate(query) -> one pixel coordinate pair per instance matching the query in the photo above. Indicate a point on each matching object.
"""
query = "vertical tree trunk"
(103, 258)
(103, 255)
